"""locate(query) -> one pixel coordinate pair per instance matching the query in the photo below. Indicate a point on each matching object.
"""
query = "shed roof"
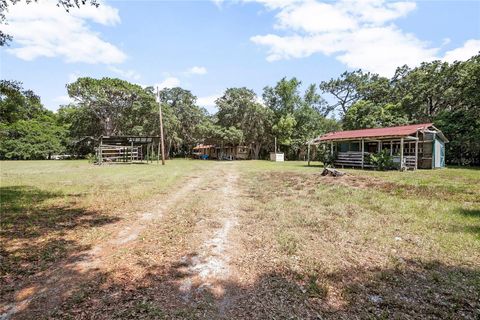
(400, 131)
(203, 146)
(127, 140)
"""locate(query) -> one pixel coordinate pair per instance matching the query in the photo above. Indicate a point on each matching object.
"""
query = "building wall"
(438, 154)
(425, 158)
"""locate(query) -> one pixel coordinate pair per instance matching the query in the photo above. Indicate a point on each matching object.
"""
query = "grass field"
(246, 239)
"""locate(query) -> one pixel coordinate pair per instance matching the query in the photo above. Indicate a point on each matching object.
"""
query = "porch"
(356, 153)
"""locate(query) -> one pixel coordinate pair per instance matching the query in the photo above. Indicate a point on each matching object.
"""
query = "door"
(438, 154)
(442, 154)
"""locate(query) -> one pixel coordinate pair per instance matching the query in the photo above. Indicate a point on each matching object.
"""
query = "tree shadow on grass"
(474, 213)
(412, 289)
(473, 226)
(24, 214)
(36, 234)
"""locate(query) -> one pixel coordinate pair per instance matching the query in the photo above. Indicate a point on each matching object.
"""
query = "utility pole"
(161, 127)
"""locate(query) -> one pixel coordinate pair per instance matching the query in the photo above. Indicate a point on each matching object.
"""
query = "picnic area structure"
(411, 146)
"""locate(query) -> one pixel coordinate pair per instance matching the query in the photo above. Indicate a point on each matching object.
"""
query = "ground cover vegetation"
(442, 93)
(236, 240)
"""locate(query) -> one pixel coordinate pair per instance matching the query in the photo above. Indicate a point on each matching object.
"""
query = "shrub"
(382, 161)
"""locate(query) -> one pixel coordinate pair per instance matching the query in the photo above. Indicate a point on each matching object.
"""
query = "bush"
(326, 157)
(382, 161)
(92, 158)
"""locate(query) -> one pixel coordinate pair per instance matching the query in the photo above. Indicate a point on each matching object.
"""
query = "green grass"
(51, 209)
(370, 244)
(392, 234)
(86, 183)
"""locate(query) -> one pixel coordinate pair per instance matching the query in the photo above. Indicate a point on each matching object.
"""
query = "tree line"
(446, 94)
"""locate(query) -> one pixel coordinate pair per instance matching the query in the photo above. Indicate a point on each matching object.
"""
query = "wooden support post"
(148, 147)
(363, 152)
(391, 148)
(308, 154)
(379, 146)
(158, 152)
(161, 127)
(151, 152)
(416, 152)
(100, 156)
(331, 148)
(401, 154)
(131, 152)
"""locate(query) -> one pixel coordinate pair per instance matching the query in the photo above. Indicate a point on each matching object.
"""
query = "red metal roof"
(203, 146)
(376, 132)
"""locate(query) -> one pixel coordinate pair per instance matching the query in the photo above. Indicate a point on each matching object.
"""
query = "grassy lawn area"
(372, 244)
(53, 209)
(245, 239)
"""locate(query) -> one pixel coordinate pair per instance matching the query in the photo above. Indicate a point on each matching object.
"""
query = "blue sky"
(208, 46)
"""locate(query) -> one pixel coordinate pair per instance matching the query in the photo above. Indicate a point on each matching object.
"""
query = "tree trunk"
(256, 150)
(108, 126)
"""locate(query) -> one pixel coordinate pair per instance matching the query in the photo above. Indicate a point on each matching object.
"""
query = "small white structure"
(277, 156)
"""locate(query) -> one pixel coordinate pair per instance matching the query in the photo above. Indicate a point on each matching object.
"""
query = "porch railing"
(354, 159)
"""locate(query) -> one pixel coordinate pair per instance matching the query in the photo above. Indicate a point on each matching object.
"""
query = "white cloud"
(218, 3)
(170, 82)
(208, 102)
(128, 74)
(315, 17)
(41, 29)
(63, 100)
(469, 49)
(259, 100)
(196, 70)
(72, 77)
(360, 34)
(275, 4)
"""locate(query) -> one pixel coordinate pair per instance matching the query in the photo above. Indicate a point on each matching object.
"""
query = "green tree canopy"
(367, 114)
(238, 108)
(112, 101)
(27, 129)
(187, 117)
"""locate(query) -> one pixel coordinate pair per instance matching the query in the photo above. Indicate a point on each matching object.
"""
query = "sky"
(208, 46)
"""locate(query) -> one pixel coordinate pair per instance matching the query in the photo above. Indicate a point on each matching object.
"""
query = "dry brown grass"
(305, 246)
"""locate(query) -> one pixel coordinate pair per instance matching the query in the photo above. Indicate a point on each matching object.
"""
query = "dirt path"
(206, 264)
(211, 267)
(52, 286)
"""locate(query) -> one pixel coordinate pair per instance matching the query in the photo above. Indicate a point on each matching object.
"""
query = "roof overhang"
(373, 139)
(407, 132)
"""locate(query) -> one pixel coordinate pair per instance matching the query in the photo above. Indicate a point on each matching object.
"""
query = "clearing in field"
(223, 240)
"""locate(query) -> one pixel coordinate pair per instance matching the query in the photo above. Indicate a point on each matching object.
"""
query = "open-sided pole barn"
(411, 146)
(127, 149)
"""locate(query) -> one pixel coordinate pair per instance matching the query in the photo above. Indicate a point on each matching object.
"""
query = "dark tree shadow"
(33, 234)
(471, 213)
(452, 166)
(412, 289)
(475, 213)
